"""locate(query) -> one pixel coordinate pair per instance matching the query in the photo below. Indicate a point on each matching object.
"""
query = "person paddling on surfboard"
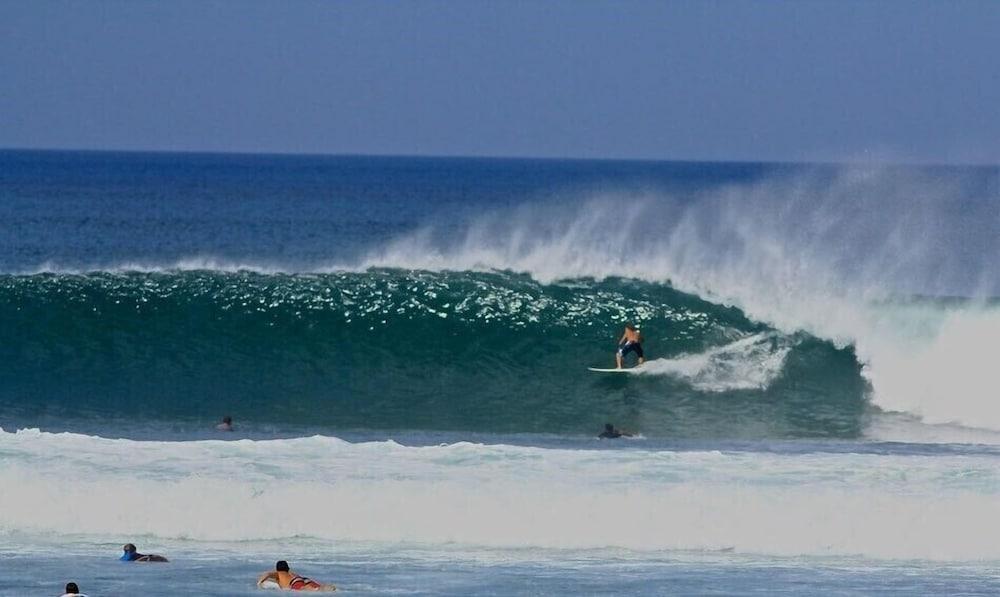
(226, 424)
(72, 590)
(612, 432)
(129, 554)
(288, 579)
(631, 341)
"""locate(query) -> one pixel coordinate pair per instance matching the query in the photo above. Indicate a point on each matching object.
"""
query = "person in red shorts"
(288, 579)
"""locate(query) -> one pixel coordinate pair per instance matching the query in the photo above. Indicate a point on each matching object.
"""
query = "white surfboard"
(622, 370)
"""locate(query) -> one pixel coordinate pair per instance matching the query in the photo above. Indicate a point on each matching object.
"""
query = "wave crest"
(838, 253)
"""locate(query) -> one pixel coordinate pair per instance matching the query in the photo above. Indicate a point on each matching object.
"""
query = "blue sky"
(791, 81)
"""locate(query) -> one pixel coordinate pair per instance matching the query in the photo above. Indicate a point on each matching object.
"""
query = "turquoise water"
(392, 349)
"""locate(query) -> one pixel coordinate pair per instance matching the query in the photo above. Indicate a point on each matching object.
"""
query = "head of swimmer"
(281, 566)
(129, 552)
(71, 588)
(630, 327)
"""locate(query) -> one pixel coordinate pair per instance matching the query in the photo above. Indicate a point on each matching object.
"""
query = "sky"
(762, 81)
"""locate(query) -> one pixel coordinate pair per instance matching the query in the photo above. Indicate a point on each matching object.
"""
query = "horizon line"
(695, 160)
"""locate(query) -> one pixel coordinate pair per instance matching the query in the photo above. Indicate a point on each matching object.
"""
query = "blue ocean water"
(403, 345)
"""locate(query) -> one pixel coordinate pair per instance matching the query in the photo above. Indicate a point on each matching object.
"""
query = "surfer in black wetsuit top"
(129, 554)
(610, 432)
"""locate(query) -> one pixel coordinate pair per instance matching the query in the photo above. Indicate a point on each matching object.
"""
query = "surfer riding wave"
(631, 341)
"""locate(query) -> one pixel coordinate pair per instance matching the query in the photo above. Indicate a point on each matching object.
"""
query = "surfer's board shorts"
(628, 347)
(300, 582)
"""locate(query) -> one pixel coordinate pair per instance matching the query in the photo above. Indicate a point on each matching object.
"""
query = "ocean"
(403, 344)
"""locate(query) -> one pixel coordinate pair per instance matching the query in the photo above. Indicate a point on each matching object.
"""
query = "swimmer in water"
(631, 341)
(226, 424)
(288, 579)
(72, 590)
(611, 432)
(129, 554)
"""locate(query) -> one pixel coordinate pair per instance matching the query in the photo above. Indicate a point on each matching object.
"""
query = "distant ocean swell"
(389, 348)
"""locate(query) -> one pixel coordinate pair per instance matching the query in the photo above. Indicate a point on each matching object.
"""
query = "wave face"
(394, 349)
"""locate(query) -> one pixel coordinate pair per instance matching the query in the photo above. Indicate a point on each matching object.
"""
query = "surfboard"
(622, 370)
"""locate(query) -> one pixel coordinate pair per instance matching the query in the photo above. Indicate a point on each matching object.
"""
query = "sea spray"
(828, 252)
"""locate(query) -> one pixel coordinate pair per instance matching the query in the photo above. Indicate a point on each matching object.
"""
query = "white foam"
(884, 506)
(748, 363)
(901, 427)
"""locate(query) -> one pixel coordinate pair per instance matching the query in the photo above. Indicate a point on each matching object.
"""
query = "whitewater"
(891, 502)
(403, 344)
